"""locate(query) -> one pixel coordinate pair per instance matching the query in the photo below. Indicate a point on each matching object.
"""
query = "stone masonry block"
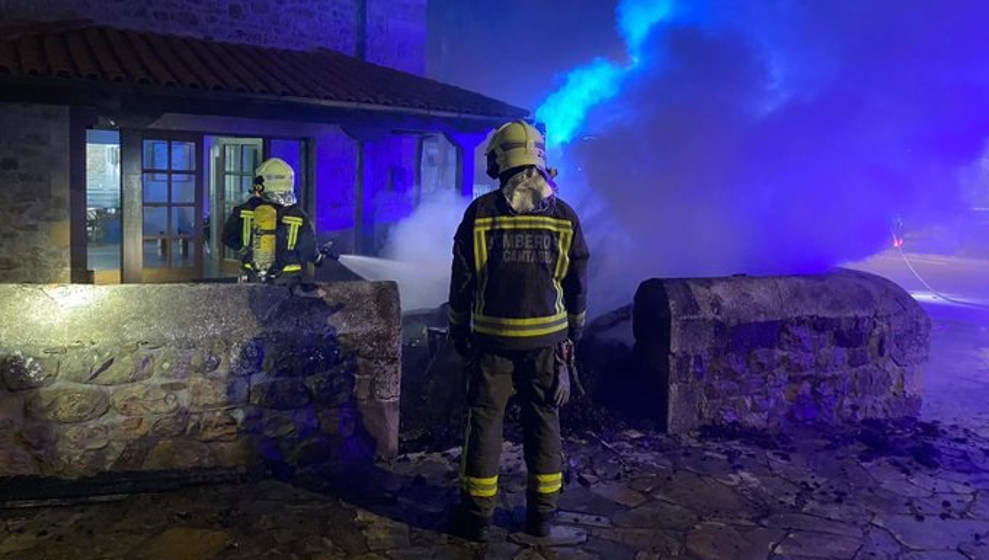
(28, 371)
(832, 347)
(206, 393)
(138, 400)
(220, 368)
(68, 404)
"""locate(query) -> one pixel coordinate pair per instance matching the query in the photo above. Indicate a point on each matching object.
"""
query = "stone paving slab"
(735, 496)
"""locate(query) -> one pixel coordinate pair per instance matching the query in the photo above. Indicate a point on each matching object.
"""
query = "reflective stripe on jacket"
(519, 280)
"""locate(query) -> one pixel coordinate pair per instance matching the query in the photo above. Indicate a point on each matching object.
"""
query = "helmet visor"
(283, 198)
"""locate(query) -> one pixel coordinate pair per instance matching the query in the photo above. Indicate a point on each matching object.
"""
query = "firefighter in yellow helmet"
(518, 299)
(273, 235)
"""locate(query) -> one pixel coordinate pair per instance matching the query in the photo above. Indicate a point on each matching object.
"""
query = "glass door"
(171, 202)
(233, 161)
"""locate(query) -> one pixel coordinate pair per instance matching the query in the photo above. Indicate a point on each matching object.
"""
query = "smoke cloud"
(775, 138)
(750, 137)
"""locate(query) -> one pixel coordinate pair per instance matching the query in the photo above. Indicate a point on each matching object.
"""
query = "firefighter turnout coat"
(519, 279)
(295, 242)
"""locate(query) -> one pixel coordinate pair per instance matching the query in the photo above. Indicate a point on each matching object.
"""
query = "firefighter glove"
(326, 252)
(561, 384)
(574, 333)
(460, 336)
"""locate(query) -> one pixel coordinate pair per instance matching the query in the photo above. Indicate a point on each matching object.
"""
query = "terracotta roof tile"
(150, 61)
(83, 50)
(8, 59)
(31, 56)
(124, 52)
(109, 67)
(81, 55)
(217, 67)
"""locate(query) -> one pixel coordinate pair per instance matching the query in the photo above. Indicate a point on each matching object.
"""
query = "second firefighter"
(273, 235)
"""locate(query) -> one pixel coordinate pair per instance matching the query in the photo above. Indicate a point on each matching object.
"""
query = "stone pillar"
(35, 240)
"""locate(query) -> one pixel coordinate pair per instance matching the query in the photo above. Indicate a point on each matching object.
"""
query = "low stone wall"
(149, 377)
(763, 351)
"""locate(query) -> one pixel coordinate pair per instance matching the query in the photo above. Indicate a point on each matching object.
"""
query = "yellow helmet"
(276, 180)
(517, 144)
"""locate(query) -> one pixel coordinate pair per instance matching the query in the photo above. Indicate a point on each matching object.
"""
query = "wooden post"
(418, 170)
(131, 205)
(79, 120)
(359, 234)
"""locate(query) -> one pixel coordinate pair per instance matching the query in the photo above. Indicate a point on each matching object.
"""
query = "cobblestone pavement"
(903, 491)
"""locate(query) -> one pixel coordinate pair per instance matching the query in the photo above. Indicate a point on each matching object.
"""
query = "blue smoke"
(636, 18)
(565, 111)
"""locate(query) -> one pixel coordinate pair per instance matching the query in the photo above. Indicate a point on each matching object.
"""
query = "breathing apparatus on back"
(274, 182)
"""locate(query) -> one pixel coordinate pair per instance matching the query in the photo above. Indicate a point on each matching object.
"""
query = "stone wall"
(142, 377)
(304, 24)
(396, 34)
(765, 351)
(34, 200)
(396, 29)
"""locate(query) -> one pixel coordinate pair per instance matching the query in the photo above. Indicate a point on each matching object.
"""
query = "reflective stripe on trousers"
(493, 379)
(545, 483)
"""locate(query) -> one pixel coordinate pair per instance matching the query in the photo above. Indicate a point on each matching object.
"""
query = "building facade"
(130, 131)
(387, 32)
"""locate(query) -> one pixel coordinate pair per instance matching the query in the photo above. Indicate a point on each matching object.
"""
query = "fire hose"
(898, 243)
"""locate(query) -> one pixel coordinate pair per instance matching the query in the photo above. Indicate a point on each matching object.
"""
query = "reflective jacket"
(295, 241)
(519, 280)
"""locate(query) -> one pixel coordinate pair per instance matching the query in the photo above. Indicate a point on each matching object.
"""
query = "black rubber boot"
(538, 524)
(470, 527)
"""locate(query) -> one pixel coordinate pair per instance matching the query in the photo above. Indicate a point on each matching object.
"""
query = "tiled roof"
(87, 51)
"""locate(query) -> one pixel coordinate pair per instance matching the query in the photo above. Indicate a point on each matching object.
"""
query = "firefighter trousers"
(494, 377)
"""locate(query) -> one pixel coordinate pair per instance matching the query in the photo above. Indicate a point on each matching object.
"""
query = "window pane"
(183, 220)
(156, 187)
(246, 182)
(155, 221)
(103, 199)
(156, 154)
(155, 253)
(183, 188)
(183, 156)
(230, 157)
(183, 252)
(250, 159)
(232, 192)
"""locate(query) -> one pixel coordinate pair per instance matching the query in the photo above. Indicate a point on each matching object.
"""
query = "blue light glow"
(636, 18)
(565, 110)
